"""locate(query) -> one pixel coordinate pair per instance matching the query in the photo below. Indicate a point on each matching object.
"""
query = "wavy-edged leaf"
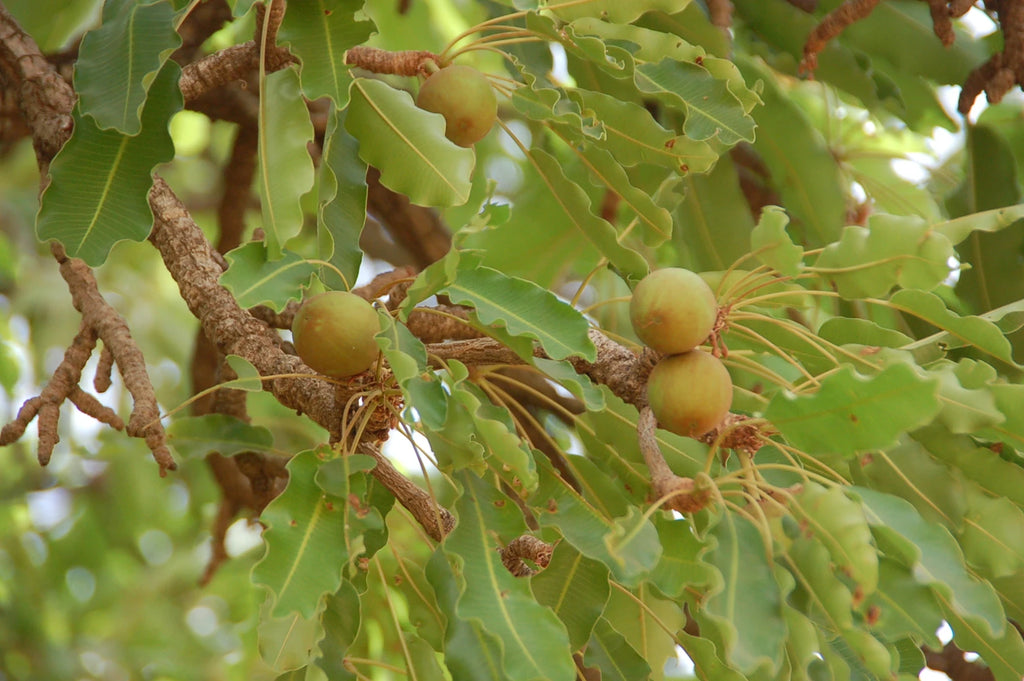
(535, 643)
(524, 309)
(965, 409)
(958, 331)
(850, 330)
(838, 522)
(1004, 653)
(818, 591)
(616, 11)
(470, 652)
(576, 383)
(713, 224)
(319, 32)
(679, 566)
(610, 652)
(712, 110)
(654, 222)
(627, 545)
(119, 60)
(197, 436)
(100, 179)
(1010, 401)
(576, 208)
(341, 215)
(255, 280)
(633, 136)
(752, 628)
(247, 377)
(934, 558)
(851, 413)
(991, 537)
(308, 539)
(902, 606)
(575, 588)
(869, 261)
(287, 642)
(408, 145)
(958, 229)
(773, 245)
(341, 618)
(285, 167)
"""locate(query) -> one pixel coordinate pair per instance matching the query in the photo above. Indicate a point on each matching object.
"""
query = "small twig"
(526, 548)
(679, 493)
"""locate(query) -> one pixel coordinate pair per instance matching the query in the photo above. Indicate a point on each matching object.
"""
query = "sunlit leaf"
(618, 12)
(285, 168)
(319, 33)
(609, 651)
(255, 280)
(535, 643)
(575, 588)
(100, 180)
(342, 205)
(773, 245)
(524, 308)
(408, 145)
(851, 413)
(119, 61)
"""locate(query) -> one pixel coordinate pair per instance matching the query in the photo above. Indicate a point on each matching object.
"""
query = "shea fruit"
(673, 310)
(465, 98)
(690, 393)
(334, 334)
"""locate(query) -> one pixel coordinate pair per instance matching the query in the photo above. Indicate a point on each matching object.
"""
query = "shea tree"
(641, 339)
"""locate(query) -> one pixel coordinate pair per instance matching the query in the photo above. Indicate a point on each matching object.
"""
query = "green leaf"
(707, 662)
(341, 618)
(902, 606)
(964, 410)
(957, 331)
(991, 537)
(525, 309)
(753, 628)
(868, 261)
(627, 545)
(197, 436)
(1003, 653)
(342, 204)
(100, 179)
(934, 558)
(287, 642)
(850, 413)
(679, 567)
(247, 376)
(712, 110)
(714, 220)
(308, 538)
(849, 330)
(610, 652)
(772, 245)
(535, 643)
(618, 12)
(255, 280)
(319, 33)
(575, 588)
(119, 61)
(838, 522)
(286, 170)
(995, 220)
(633, 136)
(818, 592)
(576, 207)
(408, 145)
(470, 652)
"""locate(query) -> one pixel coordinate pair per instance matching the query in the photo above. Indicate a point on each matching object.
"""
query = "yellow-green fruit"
(465, 98)
(689, 393)
(672, 310)
(333, 334)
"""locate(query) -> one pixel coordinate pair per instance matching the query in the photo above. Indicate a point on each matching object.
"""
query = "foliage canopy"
(493, 500)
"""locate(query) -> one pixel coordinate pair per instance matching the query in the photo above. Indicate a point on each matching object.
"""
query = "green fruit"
(333, 334)
(673, 310)
(465, 98)
(690, 393)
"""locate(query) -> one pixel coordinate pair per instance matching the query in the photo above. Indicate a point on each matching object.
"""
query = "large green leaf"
(615, 11)
(838, 522)
(753, 629)
(680, 568)
(524, 309)
(100, 180)
(408, 145)
(610, 652)
(1004, 653)
(851, 413)
(319, 33)
(991, 537)
(256, 281)
(935, 560)
(575, 588)
(470, 652)
(869, 261)
(535, 643)
(286, 169)
(654, 223)
(310, 533)
(342, 204)
(903, 606)
(119, 61)
(341, 618)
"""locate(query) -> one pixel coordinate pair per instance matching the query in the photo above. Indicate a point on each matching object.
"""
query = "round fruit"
(333, 334)
(673, 310)
(690, 393)
(465, 98)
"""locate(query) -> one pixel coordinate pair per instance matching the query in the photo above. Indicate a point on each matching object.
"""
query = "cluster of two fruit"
(673, 311)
